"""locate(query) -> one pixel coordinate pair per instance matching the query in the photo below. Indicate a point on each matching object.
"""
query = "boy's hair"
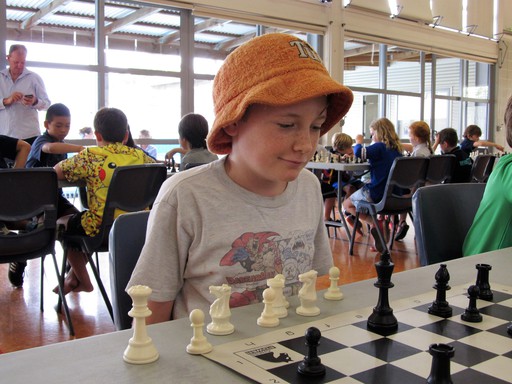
(57, 110)
(194, 128)
(448, 135)
(421, 130)
(472, 130)
(342, 141)
(144, 133)
(387, 134)
(508, 121)
(112, 124)
(85, 131)
(17, 47)
(275, 69)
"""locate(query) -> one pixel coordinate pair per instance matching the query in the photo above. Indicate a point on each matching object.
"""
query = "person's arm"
(9, 100)
(485, 143)
(436, 143)
(160, 311)
(60, 173)
(60, 148)
(408, 147)
(22, 151)
(41, 100)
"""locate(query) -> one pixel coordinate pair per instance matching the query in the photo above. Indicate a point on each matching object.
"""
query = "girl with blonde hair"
(381, 154)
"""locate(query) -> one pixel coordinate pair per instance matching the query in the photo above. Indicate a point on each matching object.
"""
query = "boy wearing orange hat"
(256, 212)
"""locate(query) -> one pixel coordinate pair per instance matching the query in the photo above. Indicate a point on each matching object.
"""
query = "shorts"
(74, 228)
(362, 194)
(328, 191)
(64, 207)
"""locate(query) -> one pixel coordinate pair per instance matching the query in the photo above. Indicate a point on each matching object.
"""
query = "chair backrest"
(482, 168)
(440, 169)
(132, 188)
(442, 215)
(24, 194)
(407, 173)
(126, 240)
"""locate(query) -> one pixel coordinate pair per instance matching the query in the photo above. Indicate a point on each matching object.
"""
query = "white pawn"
(198, 343)
(281, 277)
(220, 312)
(276, 285)
(140, 348)
(333, 292)
(268, 317)
(307, 294)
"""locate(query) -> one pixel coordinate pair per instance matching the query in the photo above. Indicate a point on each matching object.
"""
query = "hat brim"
(291, 88)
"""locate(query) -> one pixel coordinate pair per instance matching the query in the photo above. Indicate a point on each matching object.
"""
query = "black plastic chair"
(482, 168)
(406, 173)
(126, 240)
(443, 215)
(25, 194)
(132, 188)
(440, 169)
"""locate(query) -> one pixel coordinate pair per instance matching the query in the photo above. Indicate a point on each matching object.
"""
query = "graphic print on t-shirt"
(262, 255)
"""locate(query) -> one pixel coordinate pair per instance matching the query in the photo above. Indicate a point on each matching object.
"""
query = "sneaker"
(16, 273)
(402, 231)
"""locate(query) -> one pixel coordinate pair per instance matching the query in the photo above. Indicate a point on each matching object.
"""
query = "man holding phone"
(23, 95)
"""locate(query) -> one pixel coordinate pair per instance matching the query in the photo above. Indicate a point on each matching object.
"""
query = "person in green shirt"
(492, 226)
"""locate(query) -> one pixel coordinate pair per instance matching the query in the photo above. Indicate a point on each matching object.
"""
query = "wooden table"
(340, 167)
(98, 359)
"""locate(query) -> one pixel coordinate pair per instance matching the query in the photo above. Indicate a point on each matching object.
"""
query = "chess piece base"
(315, 311)
(441, 311)
(220, 329)
(333, 295)
(140, 353)
(198, 348)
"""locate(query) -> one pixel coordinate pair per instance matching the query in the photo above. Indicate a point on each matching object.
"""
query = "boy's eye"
(285, 125)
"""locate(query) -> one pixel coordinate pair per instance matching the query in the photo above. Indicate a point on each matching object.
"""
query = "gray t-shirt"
(205, 230)
(197, 156)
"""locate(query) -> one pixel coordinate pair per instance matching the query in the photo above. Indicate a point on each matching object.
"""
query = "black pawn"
(440, 306)
(509, 329)
(382, 320)
(312, 365)
(482, 280)
(440, 371)
(472, 314)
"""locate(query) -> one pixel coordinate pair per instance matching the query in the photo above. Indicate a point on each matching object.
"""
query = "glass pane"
(404, 70)
(364, 110)
(448, 76)
(142, 60)
(56, 53)
(150, 102)
(78, 90)
(477, 113)
(203, 100)
(447, 115)
(206, 66)
(402, 111)
(361, 64)
(478, 81)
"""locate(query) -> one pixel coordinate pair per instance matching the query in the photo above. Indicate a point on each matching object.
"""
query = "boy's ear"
(98, 135)
(231, 129)
(46, 124)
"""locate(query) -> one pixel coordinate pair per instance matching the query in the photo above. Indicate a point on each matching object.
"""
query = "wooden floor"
(22, 325)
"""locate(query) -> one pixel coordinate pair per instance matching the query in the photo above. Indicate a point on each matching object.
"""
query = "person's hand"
(28, 100)
(436, 142)
(500, 148)
(14, 98)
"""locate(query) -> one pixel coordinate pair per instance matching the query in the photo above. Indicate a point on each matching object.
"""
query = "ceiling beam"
(130, 19)
(51, 8)
(199, 27)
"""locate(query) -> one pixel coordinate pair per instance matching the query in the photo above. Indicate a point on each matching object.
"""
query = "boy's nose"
(305, 141)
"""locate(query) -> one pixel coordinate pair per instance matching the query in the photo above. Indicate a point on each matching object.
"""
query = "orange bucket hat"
(274, 69)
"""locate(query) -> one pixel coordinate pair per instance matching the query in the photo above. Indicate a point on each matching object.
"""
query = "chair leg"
(41, 303)
(62, 297)
(100, 286)
(97, 263)
(381, 235)
(353, 235)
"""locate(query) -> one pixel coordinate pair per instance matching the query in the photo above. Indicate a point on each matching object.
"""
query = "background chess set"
(352, 354)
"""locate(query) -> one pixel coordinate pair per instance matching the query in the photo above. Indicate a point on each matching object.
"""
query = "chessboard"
(352, 354)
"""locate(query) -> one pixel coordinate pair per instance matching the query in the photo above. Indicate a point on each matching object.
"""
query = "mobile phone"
(29, 96)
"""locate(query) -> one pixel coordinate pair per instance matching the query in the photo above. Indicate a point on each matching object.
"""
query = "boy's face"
(413, 138)
(58, 127)
(474, 137)
(272, 144)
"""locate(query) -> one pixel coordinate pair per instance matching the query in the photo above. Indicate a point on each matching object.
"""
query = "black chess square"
(290, 374)
(401, 327)
(470, 376)
(386, 349)
(468, 355)
(392, 374)
(451, 329)
(497, 310)
(299, 345)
